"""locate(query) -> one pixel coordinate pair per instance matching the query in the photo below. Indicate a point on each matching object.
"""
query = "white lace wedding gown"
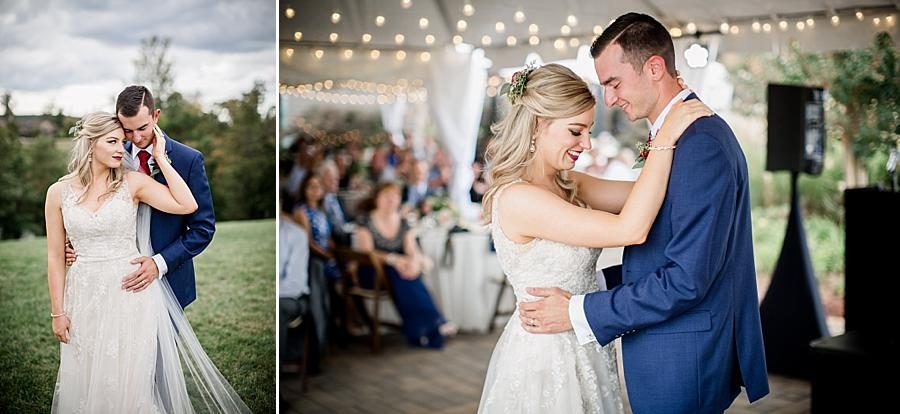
(127, 350)
(547, 373)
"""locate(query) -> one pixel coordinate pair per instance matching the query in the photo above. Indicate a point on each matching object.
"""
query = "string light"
(335, 17)
(755, 26)
(400, 55)
(348, 53)
(457, 39)
(499, 27)
(559, 44)
(801, 25)
(598, 30)
(366, 38)
(691, 28)
(319, 53)
(889, 20)
(876, 21)
(485, 40)
(533, 29)
(572, 20)
(835, 20)
(374, 54)
(333, 37)
(767, 27)
(423, 23)
(675, 32)
(574, 42)
(399, 38)
(859, 15)
(461, 25)
(735, 29)
(783, 25)
(379, 21)
(424, 56)
(289, 12)
(723, 28)
(429, 40)
(534, 40)
(289, 52)
(810, 22)
(519, 16)
(298, 36)
(468, 9)
(406, 4)
(565, 30)
(511, 41)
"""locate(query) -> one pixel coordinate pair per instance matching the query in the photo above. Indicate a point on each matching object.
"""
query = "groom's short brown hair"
(640, 37)
(132, 98)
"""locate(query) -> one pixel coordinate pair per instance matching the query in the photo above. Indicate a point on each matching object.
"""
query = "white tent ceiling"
(357, 17)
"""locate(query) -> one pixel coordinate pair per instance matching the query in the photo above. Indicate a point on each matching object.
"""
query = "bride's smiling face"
(109, 149)
(561, 141)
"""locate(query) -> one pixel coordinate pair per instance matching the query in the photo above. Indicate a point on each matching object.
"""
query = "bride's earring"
(532, 147)
(91, 157)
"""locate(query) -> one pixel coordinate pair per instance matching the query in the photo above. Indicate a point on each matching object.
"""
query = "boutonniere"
(643, 151)
(154, 169)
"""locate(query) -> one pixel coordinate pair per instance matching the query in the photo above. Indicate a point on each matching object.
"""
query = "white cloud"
(77, 55)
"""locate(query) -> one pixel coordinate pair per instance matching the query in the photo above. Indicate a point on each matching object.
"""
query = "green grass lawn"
(233, 316)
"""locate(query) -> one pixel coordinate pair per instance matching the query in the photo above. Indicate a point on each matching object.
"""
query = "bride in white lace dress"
(548, 226)
(120, 351)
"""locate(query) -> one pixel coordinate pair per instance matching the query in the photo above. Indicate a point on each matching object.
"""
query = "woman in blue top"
(310, 214)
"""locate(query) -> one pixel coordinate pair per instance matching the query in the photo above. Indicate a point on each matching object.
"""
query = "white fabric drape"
(392, 118)
(456, 96)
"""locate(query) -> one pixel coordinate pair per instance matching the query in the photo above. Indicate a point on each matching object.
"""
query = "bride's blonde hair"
(87, 131)
(550, 92)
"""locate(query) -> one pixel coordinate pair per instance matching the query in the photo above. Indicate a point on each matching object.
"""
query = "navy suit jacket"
(178, 238)
(687, 309)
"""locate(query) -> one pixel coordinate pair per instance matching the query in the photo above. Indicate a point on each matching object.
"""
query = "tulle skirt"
(132, 352)
(550, 373)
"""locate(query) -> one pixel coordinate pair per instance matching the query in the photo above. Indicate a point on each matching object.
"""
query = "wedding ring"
(532, 322)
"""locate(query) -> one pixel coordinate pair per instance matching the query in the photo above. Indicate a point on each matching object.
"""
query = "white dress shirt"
(157, 258)
(576, 304)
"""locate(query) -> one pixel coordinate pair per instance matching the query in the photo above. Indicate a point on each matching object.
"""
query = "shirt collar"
(135, 150)
(654, 129)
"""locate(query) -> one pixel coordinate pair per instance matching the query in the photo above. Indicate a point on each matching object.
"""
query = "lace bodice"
(543, 263)
(105, 233)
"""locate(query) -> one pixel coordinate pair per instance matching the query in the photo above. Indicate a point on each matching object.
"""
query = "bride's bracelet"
(56, 315)
(660, 148)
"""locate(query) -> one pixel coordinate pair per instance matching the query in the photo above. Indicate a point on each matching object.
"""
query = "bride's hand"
(61, 328)
(159, 145)
(680, 117)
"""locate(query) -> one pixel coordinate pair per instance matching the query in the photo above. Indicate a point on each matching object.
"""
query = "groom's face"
(139, 128)
(623, 85)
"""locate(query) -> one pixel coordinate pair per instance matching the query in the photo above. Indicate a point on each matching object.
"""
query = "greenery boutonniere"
(154, 168)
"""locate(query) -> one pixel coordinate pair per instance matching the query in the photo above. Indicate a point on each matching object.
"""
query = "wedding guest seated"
(328, 171)
(385, 232)
(416, 189)
(309, 212)
(293, 288)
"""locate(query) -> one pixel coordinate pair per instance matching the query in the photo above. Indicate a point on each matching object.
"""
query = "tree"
(153, 67)
(11, 186)
(246, 154)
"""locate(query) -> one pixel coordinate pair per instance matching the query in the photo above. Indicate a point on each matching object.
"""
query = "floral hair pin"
(516, 86)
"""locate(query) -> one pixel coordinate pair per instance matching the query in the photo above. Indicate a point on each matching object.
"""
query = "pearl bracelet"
(652, 148)
(52, 315)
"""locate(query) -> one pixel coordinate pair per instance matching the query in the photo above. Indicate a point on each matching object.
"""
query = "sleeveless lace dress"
(547, 373)
(125, 353)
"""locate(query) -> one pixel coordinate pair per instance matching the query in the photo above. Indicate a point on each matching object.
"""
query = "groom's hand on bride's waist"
(550, 314)
(139, 279)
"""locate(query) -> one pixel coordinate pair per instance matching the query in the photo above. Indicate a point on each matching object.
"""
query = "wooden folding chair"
(350, 262)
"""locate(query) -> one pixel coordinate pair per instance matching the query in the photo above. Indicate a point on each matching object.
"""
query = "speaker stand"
(791, 312)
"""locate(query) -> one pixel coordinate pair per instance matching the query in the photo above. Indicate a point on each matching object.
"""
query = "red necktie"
(144, 156)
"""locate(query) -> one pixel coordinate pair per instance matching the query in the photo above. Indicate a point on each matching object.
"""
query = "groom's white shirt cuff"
(161, 265)
(580, 324)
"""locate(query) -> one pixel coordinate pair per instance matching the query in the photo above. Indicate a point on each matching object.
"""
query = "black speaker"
(796, 139)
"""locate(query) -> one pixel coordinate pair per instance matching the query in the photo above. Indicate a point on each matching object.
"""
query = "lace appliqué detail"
(534, 373)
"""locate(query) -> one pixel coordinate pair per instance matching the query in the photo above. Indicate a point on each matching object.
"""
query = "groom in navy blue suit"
(687, 309)
(174, 239)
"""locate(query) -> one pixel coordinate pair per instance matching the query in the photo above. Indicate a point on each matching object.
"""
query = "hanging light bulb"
(423, 23)
(424, 56)
(457, 39)
(691, 28)
(876, 21)
(374, 54)
(485, 40)
(767, 27)
(735, 29)
(519, 16)
(333, 37)
(565, 30)
(366, 38)
(298, 36)
(348, 53)
(335, 17)
(429, 40)
(723, 28)
(399, 38)
(289, 12)
(572, 20)
(406, 3)
(461, 25)
(756, 26)
(499, 27)
(598, 30)
(574, 42)
(468, 9)
(289, 52)
(559, 44)
(534, 40)
(859, 15)
(783, 25)
(379, 21)
(510, 41)
(675, 32)
(319, 53)
(400, 55)
(533, 29)
(801, 25)
(835, 20)
(810, 22)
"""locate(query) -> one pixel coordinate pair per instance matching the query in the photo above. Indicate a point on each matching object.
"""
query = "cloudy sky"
(78, 54)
